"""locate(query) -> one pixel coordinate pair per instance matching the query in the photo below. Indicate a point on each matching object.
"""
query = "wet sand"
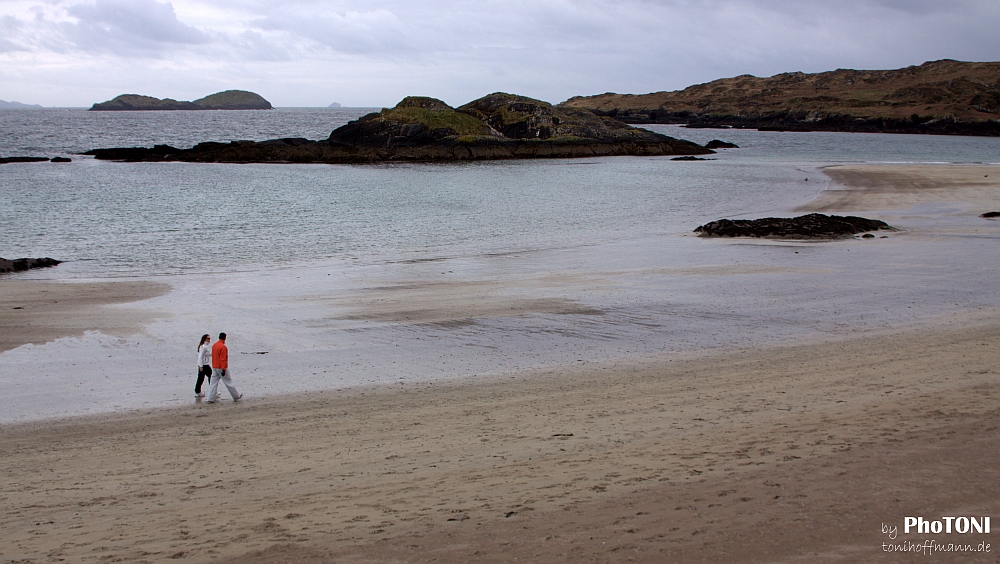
(794, 452)
(894, 187)
(36, 311)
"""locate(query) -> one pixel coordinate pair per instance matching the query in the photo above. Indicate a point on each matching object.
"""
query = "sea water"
(286, 258)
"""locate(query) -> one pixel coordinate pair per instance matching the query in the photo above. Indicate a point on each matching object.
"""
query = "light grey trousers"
(213, 388)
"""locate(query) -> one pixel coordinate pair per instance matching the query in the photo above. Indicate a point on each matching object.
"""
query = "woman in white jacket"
(204, 364)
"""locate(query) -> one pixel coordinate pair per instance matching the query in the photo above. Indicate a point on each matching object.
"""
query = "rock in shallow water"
(718, 144)
(812, 226)
(21, 264)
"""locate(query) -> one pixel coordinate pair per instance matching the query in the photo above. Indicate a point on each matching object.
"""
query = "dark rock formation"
(717, 144)
(812, 226)
(690, 158)
(5, 160)
(228, 100)
(990, 214)
(938, 97)
(21, 264)
(498, 126)
(60, 160)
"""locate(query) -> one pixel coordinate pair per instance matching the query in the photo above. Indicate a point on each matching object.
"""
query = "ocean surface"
(317, 265)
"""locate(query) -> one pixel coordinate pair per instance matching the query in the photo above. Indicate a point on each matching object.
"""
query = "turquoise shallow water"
(117, 219)
(296, 260)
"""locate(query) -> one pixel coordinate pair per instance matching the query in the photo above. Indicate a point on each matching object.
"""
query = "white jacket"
(205, 355)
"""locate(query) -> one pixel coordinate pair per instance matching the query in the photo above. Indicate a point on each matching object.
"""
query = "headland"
(939, 97)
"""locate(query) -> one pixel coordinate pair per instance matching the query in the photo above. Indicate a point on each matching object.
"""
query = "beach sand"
(650, 457)
(35, 311)
(894, 187)
(792, 452)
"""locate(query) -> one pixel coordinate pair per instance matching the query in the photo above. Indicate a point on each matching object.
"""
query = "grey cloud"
(379, 50)
(255, 46)
(10, 28)
(128, 25)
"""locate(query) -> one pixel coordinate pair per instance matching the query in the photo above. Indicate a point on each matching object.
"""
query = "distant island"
(18, 106)
(497, 126)
(335, 105)
(228, 100)
(941, 97)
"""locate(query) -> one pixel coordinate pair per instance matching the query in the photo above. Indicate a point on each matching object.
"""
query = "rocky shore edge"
(22, 264)
(497, 126)
(811, 226)
(7, 160)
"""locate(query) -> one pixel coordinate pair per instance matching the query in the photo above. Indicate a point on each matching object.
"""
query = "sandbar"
(894, 187)
(39, 311)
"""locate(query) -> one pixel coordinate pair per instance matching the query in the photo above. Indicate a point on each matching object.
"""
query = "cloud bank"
(312, 52)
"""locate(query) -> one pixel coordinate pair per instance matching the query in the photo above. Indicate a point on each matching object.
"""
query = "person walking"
(204, 364)
(220, 371)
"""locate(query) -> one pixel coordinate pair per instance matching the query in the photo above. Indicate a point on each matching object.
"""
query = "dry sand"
(790, 453)
(894, 187)
(34, 311)
(650, 457)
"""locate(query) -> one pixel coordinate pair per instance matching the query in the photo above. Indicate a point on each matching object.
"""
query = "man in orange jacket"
(220, 371)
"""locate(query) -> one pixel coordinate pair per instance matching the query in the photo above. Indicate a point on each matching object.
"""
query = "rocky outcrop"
(717, 144)
(811, 226)
(5, 160)
(21, 264)
(498, 126)
(228, 100)
(990, 214)
(943, 97)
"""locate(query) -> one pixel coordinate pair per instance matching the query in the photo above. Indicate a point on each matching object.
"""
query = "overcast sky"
(312, 53)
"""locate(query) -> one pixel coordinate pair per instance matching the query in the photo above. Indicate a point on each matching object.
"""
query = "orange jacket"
(220, 355)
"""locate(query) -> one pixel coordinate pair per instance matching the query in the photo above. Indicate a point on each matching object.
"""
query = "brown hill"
(936, 97)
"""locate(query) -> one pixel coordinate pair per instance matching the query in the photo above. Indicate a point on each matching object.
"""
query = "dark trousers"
(204, 375)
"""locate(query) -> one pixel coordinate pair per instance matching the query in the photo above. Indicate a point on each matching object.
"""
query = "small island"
(497, 126)
(4, 105)
(228, 100)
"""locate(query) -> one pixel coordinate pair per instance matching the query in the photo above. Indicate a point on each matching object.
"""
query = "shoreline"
(545, 309)
(41, 311)
(887, 187)
(379, 467)
(781, 451)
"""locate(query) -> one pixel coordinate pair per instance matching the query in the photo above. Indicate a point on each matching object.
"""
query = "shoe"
(199, 395)
(238, 398)
(210, 401)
